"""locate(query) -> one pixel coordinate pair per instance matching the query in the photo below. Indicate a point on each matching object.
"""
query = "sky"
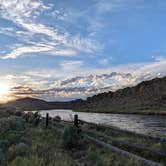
(67, 49)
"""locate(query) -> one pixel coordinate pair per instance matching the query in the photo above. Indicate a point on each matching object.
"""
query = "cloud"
(24, 50)
(21, 9)
(104, 6)
(7, 30)
(104, 61)
(24, 13)
(111, 6)
(41, 74)
(151, 70)
(37, 49)
(71, 65)
(159, 57)
(78, 87)
(53, 84)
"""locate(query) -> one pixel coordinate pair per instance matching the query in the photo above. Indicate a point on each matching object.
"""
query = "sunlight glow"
(4, 89)
(5, 92)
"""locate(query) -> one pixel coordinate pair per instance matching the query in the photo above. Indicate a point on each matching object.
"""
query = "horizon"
(83, 99)
(66, 50)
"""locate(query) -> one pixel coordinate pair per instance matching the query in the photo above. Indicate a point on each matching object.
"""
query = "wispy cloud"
(159, 57)
(38, 49)
(111, 6)
(24, 13)
(70, 65)
(104, 6)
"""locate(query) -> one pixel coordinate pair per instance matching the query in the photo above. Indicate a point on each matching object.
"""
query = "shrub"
(163, 145)
(20, 149)
(32, 118)
(2, 157)
(36, 119)
(18, 113)
(13, 136)
(4, 144)
(3, 113)
(16, 123)
(70, 137)
(94, 159)
(11, 123)
(32, 161)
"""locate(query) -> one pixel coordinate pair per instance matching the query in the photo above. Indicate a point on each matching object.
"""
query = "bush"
(2, 157)
(32, 118)
(11, 123)
(18, 113)
(70, 137)
(20, 149)
(20, 161)
(4, 145)
(94, 159)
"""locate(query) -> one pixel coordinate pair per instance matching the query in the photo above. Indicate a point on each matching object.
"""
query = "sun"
(4, 92)
(4, 89)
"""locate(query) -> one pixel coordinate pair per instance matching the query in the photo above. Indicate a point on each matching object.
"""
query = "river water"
(154, 125)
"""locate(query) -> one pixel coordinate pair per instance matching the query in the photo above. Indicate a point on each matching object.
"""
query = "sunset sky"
(67, 49)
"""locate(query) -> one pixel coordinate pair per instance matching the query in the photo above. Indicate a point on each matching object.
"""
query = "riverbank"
(125, 111)
(145, 124)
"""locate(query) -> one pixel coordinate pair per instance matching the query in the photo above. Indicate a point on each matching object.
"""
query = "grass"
(27, 142)
(161, 147)
(134, 110)
(26, 145)
(46, 145)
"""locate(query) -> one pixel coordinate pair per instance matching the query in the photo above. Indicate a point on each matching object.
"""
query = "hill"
(146, 95)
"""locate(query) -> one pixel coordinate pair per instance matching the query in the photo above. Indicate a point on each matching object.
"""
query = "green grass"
(123, 136)
(131, 110)
(27, 143)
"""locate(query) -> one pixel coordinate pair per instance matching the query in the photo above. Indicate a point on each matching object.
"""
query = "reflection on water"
(146, 124)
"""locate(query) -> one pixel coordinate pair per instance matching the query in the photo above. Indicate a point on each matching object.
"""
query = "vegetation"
(134, 110)
(25, 141)
(27, 144)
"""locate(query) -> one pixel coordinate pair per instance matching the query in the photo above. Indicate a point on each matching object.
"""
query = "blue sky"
(48, 40)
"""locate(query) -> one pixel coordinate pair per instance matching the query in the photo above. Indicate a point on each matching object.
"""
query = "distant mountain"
(28, 103)
(146, 95)
(37, 104)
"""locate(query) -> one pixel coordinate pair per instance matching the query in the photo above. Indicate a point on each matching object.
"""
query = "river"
(154, 125)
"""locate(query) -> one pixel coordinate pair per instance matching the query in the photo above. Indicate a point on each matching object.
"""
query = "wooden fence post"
(76, 120)
(47, 119)
(26, 117)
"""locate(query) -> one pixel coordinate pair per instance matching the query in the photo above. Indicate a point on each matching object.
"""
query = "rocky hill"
(148, 94)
